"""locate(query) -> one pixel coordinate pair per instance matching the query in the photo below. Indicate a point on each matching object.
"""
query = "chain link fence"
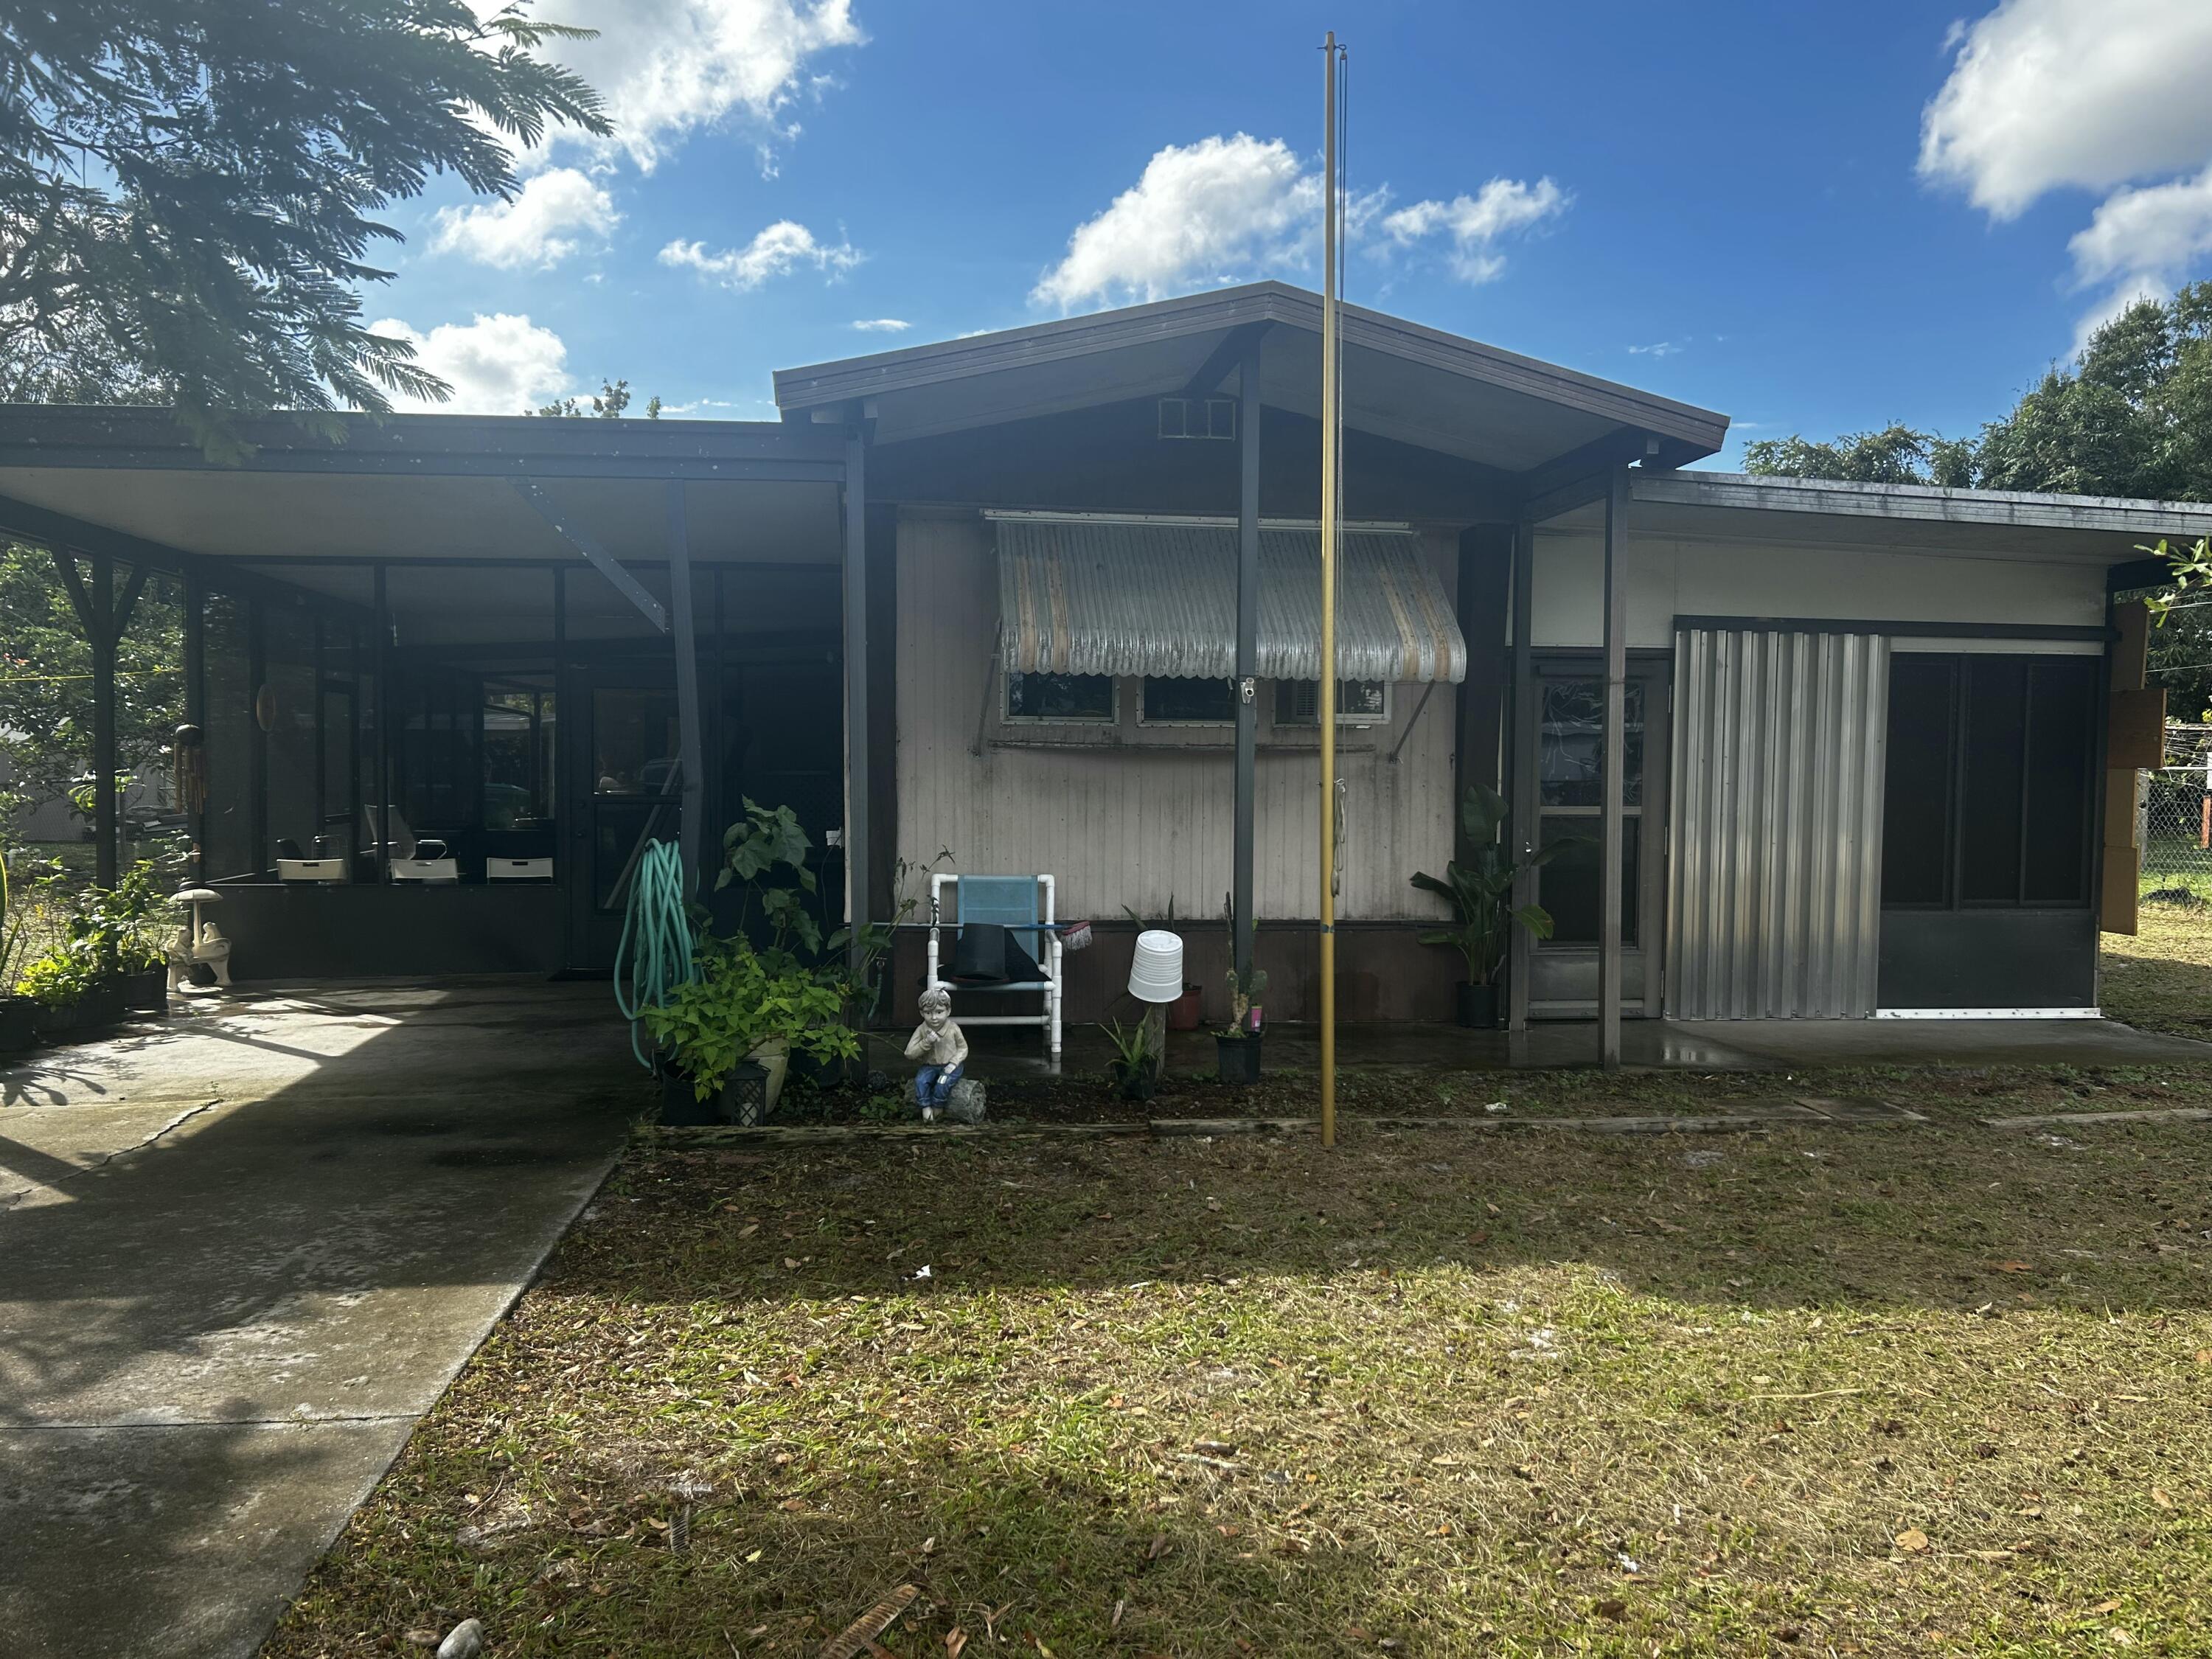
(2174, 817)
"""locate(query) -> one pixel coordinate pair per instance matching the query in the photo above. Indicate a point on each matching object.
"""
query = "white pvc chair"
(1024, 906)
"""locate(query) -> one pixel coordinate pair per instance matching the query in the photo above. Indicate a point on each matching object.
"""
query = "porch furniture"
(1022, 905)
(199, 942)
(498, 869)
(425, 860)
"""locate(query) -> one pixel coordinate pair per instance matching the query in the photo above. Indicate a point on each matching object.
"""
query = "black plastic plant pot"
(146, 991)
(19, 1024)
(680, 1102)
(1138, 1082)
(1237, 1058)
(1478, 1006)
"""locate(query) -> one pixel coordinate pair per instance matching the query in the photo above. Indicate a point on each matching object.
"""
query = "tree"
(610, 404)
(1897, 454)
(190, 193)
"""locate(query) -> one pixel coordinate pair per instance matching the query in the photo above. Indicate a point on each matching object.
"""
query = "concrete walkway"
(240, 1253)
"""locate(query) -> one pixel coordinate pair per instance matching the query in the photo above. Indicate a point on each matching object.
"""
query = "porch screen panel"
(1774, 887)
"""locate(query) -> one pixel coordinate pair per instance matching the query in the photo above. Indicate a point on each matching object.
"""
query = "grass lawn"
(1820, 1391)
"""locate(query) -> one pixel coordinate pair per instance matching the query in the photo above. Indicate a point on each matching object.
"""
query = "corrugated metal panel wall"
(1774, 904)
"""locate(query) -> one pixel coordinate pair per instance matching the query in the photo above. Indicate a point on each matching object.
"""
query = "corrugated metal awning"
(1113, 597)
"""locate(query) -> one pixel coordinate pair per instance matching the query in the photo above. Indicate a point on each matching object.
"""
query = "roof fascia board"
(1269, 302)
(1925, 504)
(434, 445)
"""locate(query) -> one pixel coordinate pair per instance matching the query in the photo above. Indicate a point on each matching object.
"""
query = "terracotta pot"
(1186, 1011)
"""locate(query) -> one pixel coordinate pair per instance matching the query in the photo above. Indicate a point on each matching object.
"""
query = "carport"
(539, 642)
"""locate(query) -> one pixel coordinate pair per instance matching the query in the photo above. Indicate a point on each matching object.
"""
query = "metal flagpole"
(1325, 699)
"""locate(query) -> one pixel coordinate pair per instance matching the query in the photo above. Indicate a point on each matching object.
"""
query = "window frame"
(1352, 721)
(1957, 848)
(1148, 720)
(1086, 722)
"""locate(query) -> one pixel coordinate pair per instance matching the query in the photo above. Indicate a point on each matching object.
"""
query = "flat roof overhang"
(421, 486)
(1403, 381)
(2117, 532)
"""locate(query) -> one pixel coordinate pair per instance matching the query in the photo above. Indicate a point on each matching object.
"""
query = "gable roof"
(1402, 380)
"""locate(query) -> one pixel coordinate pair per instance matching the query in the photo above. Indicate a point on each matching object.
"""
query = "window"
(1198, 417)
(1189, 702)
(1570, 771)
(1071, 699)
(1358, 702)
(1987, 788)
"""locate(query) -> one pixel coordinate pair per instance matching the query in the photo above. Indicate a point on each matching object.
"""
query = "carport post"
(1248, 648)
(687, 686)
(103, 722)
(856, 696)
(383, 671)
(1611, 886)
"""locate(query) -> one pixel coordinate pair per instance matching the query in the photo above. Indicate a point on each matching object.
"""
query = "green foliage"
(739, 998)
(121, 927)
(1896, 454)
(1481, 891)
(1137, 1059)
(609, 405)
(196, 189)
(767, 850)
(45, 677)
(1244, 988)
(58, 977)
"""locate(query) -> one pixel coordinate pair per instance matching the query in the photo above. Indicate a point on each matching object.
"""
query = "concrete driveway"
(241, 1252)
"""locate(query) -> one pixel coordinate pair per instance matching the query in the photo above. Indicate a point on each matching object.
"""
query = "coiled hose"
(654, 956)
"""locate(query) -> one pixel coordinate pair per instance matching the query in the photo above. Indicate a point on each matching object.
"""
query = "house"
(1048, 598)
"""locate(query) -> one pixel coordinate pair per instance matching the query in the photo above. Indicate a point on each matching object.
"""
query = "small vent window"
(1198, 417)
(1358, 702)
(1189, 702)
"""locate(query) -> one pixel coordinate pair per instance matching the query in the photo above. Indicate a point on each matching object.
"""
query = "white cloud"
(1657, 349)
(497, 365)
(2044, 94)
(2155, 232)
(1474, 224)
(1224, 209)
(882, 324)
(540, 227)
(1197, 208)
(669, 68)
(782, 247)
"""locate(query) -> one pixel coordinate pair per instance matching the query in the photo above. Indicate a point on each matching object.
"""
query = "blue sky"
(1814, 217)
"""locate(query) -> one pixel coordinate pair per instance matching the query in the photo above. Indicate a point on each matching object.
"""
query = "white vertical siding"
(1137, 827)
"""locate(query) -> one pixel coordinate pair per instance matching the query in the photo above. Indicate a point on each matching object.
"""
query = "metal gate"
(1774, 895)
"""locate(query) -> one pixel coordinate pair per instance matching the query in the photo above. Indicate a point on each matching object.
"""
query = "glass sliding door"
(1564, 733)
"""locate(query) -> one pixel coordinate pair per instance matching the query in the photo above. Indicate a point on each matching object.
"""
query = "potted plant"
(1236, 1045)
(1481, 893)
(1135, 1066)
(18, 1027)
(122, 929)
(743, 1007)
(69, 994)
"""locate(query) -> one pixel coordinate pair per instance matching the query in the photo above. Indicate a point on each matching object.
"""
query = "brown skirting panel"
(300, 930)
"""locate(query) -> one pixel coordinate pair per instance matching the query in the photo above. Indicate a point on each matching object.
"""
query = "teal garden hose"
(654, 956)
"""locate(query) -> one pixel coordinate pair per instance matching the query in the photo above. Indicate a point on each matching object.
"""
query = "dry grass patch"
(1870, 1392)
(2161, 979)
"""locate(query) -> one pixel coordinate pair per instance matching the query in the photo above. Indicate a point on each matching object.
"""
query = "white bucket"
(1156, 970)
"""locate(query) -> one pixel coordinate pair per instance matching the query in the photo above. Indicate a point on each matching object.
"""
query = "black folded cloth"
(987, 953)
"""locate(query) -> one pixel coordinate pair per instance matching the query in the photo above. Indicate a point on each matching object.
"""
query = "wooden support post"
(382, 658)
(1611, 887)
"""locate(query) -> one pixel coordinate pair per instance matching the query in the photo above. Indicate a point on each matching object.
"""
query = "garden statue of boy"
(937, 1044)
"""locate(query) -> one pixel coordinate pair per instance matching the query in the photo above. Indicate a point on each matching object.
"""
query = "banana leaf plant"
(1481, 891)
